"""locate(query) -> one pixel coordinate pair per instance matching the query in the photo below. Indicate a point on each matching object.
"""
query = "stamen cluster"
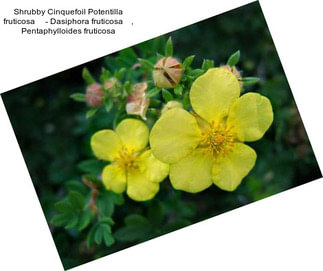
(218, 139)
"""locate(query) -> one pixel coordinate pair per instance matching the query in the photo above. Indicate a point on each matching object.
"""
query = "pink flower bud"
(137, 101)
(167, 72)
(110, 84)
(94, 95)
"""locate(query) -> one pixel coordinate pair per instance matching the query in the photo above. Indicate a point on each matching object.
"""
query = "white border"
(283, 232)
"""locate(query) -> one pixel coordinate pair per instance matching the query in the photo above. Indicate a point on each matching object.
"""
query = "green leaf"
(107, 220)
(79, 97)
(108, 105)
(76, 186)
(178, 90)
(207, 64)
(108, 239)
(154, 103)
(248, 81)
(60, 220)
(101, 231)
(146, 64)
(169, 47)
(127, 87)
(159, 56)
(84, 220)
(90, 236)
(77, 200)
(87, 77)
(117, 198)
(63, 206)
(105, 75)
(197, 72)
(105, 228)
(234, 59)
(188, 61)
(105, 204)
(92, 166)
(119, 74)
(98, 236)
(167, 95)
(91, 112)
(153, 92)
(72, 222)
(92, 178)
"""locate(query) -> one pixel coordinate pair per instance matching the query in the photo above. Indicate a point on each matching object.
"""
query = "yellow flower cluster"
(207, 147)
(133, 167)
(196, 149)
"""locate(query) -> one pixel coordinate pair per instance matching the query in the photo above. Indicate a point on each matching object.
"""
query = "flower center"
(218, 139)
(127, 160)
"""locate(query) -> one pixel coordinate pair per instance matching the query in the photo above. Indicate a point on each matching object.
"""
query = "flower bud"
(167, 72)
(111, 84)
(94, 95)
(171, 105)
(137, 101)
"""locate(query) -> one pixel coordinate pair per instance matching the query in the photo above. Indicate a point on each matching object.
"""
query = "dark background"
(53, 132)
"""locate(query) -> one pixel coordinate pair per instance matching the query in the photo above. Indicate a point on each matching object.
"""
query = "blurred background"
(53, 133)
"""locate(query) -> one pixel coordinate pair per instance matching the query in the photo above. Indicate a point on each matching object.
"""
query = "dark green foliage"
(136, 228)
(72, 212)
(101, 233)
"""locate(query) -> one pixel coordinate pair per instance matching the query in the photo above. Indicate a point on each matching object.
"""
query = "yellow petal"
(139, 187)
(251, 115)
(193, 173)
(155, 170)
(213, 93)
(175, 135)
(228, 171)
(114, 178)
(106, 144)
(133, 133)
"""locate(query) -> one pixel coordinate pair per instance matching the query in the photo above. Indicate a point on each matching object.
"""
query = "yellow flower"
(133, 167)
(208, 147)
